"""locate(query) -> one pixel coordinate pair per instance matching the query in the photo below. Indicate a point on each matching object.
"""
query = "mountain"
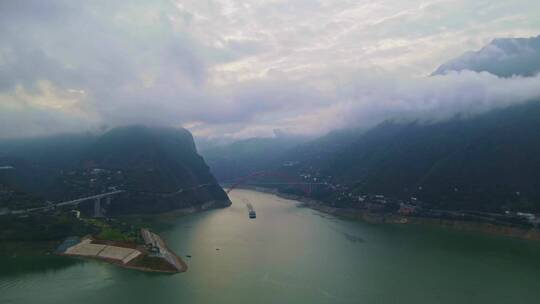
(238, 159)
(490, 162)
(159, 168)
(323, 147)
(503, 57)
(13, 197)
(481, 163)
(37, 161)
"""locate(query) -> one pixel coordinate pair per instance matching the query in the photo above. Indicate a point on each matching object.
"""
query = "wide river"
(293, 255)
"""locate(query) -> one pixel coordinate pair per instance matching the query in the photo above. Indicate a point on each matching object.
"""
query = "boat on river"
(251, 211)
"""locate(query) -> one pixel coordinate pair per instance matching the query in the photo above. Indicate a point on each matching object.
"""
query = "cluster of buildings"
(341, 196)
(94, 180)
(529, 217)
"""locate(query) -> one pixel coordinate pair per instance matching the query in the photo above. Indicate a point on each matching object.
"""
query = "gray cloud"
(363, 99)
(237, 68)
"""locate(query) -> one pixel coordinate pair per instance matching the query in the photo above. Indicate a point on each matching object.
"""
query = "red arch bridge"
(282, 179)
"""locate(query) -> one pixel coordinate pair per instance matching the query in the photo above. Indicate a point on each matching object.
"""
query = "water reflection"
(21, 265)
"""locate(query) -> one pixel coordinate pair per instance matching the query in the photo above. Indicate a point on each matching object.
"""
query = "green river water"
(293, 255)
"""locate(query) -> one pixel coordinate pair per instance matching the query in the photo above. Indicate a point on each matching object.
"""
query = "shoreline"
(532, 234)
(16, 247)
(166, 260)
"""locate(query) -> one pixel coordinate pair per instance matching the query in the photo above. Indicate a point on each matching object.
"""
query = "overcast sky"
(238, 69)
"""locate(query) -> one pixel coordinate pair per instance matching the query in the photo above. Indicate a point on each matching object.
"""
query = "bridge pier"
(97, 207)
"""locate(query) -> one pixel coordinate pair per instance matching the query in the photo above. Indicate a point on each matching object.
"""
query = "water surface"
(293, 255)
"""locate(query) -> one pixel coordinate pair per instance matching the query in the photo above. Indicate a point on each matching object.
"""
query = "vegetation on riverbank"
(20, 233)
(43, 233)
(38, 227)
(471, 226)
(114, 230)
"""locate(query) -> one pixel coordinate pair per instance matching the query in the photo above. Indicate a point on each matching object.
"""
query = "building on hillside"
(531, 218)
(406, 209)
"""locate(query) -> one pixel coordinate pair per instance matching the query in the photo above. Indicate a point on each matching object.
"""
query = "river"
(293, 255)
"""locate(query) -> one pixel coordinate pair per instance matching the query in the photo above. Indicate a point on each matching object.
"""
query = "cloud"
(244, 68)
(502, 57)
(438, 98)
(362, 99)
(43, 110)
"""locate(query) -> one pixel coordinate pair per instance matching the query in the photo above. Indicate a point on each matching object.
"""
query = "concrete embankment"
(86, 248)
(160, 249)
(154, 256)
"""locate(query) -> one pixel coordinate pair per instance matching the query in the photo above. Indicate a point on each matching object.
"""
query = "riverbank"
(380, 218)
(41, 234)
(469, 226)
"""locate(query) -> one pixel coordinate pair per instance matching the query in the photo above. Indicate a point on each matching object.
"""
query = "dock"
(158, 248)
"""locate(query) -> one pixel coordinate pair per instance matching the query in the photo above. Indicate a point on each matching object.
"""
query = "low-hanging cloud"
(438, 98)
(362, 100)
(231, 69)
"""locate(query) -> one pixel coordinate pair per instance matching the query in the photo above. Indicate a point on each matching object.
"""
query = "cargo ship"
(251, 211)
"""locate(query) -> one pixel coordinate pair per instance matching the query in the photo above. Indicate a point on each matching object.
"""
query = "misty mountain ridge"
(148, 162)
(489, 162)
(244, 157)
(395, 158)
